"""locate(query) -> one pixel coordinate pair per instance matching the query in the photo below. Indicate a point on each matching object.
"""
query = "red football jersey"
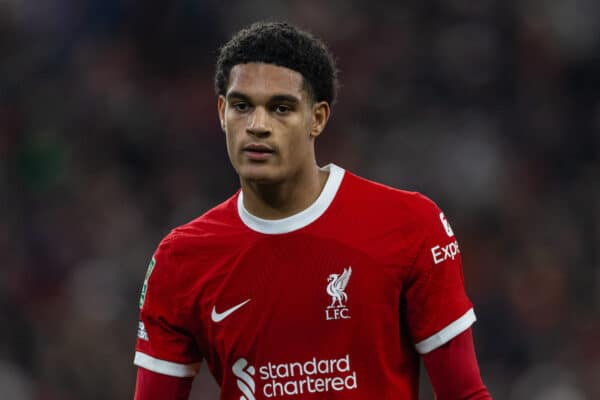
(334, 302)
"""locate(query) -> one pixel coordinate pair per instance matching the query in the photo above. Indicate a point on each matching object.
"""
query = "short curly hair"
(281, 44)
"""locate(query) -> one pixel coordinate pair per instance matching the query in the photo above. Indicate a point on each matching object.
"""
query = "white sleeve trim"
(165, 367)
(448, 333)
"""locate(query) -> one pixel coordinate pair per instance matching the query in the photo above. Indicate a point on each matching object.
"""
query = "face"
(270, 122)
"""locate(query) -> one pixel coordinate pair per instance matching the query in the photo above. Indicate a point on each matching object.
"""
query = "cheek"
(299, 144)
(232, 131)
(230, 141)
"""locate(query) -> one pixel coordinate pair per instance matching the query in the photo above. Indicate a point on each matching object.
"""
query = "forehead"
(259, 79)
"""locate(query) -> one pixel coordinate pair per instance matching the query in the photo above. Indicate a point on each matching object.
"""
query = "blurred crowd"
(109, 138)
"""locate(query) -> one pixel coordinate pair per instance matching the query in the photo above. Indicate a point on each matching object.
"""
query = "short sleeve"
(165, 340)
(436, 305)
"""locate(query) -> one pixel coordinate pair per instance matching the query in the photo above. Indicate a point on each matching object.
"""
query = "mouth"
(256, 151)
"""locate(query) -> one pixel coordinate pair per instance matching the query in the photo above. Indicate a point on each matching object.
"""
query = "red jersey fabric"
(154, 386)
(453, 370)
(335, 302)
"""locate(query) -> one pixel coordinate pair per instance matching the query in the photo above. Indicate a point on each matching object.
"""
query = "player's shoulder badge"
(145, 286)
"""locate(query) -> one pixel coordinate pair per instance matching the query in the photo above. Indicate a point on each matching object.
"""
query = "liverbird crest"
(337, 286)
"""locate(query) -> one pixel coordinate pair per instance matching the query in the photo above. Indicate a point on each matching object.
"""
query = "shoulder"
(214, 225)
(199, 243)
(383, 201)
(187, 252)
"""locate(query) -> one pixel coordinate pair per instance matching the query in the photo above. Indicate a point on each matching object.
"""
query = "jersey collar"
(301, 219)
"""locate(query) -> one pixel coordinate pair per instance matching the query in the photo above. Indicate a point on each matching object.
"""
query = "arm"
(453, 370)
(153, 386)
(166, 351)
(438, 312)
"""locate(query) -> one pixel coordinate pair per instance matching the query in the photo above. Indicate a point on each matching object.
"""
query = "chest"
(282, 304)
(302, 290)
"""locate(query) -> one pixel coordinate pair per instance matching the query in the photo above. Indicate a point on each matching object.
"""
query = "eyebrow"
(287, 98)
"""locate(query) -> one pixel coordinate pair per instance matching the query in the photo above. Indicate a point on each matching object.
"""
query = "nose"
(258, 123)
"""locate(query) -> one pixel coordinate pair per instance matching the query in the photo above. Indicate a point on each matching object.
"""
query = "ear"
(221, 109)
(320, 115)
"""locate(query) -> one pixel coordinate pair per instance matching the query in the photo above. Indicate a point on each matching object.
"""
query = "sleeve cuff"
(165, 367)
(448, 333)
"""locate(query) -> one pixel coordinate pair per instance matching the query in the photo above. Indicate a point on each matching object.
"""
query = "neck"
(286, 198)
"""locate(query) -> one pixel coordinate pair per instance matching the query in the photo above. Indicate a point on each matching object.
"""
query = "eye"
(282, 109)
(241, 106)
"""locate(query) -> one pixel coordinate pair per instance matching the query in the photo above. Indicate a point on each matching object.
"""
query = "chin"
(259, 174)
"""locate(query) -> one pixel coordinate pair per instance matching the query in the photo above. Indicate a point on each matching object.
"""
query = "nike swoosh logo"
(218, 317)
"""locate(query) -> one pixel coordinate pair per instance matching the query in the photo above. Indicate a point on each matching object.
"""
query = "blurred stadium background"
(109, 138)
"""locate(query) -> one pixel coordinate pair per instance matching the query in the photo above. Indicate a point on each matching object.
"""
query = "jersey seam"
(180, 311)
(420, 249)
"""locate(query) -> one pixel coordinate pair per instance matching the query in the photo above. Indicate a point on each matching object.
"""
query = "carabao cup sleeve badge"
(145, 286)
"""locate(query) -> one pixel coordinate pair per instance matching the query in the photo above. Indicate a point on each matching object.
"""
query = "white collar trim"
(301, 219)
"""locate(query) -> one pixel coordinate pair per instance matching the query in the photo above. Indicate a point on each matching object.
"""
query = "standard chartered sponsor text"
(311, 376)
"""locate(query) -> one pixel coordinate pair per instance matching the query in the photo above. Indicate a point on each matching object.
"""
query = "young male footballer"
(310, 282)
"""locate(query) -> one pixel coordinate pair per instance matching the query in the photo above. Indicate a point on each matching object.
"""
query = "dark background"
(109, 138)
